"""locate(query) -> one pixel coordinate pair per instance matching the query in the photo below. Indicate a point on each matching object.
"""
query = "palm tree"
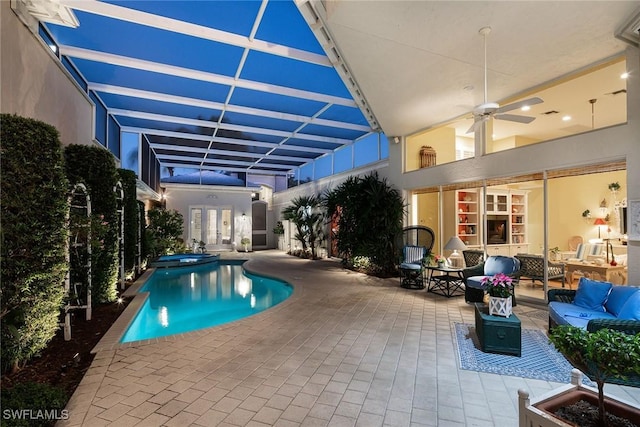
(304, 212)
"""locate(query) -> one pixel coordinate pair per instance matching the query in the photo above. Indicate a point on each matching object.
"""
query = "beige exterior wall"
(34, 84)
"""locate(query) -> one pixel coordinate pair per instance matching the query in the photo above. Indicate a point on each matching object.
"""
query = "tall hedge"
(34, 208)
(128, 179)
(95, 167)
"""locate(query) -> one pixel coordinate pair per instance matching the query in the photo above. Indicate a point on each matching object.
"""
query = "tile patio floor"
(345, 349)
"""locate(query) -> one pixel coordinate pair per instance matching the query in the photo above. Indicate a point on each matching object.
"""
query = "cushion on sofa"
(501, 264)
(592, 294)
(631, 309)
(618, 297)
(564, 313)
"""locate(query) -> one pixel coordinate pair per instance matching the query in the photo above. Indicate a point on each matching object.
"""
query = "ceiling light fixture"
(525, 108)
(566, 118)
(624, 75)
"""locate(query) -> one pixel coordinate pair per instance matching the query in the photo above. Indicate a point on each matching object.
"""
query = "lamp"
(455, 244)
(598, 223)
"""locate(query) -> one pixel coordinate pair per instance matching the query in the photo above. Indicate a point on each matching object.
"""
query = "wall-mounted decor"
(634, 220)
(427, 156)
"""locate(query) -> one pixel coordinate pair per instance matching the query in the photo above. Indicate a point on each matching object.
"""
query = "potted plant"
(603, 355)
(439, 260)
(614, 186)
(245, 241)
(499, 287)
(586, 213)
(554, 253)
(279, 228)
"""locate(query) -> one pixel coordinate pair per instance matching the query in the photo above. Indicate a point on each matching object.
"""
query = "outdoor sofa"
(596, 305)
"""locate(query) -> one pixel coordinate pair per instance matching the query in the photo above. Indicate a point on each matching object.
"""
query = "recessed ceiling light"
(624, 75)
(525, 108)
(566, 118)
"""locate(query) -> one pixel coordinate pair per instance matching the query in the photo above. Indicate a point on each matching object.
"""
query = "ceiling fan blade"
(476, 125)
(519, 104)
(514, 118)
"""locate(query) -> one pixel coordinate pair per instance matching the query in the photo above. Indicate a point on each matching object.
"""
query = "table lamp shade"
(455, 244)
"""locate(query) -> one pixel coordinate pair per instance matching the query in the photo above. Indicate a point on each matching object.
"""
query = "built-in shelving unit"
(506, 208)
(468, 217)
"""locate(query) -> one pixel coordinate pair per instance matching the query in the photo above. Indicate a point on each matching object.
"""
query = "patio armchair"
(472, 257)
(474, 292)
(532, 267)
(412, 266)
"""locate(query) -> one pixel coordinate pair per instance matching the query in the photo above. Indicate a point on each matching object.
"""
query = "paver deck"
(344, 350)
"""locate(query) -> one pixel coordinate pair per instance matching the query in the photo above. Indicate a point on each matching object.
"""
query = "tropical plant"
(164, 232)
(95, 168)
(369, 214)
(602, 355)
(305, 212)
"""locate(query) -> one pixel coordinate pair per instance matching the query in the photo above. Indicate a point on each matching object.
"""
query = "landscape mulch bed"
(64, 363)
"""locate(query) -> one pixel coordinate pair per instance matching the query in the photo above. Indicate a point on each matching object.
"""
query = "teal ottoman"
(498, 334)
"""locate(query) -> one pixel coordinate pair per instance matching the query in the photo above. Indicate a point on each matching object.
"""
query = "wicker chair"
(472, 257)
(532, 267)
(414, 244)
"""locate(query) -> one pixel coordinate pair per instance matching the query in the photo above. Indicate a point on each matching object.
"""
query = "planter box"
(538, 412)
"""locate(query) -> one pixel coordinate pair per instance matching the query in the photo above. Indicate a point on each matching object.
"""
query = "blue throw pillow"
(631, 309)
(592, 294)
(618, 297)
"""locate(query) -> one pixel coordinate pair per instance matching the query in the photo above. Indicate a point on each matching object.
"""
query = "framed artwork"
(634, 220)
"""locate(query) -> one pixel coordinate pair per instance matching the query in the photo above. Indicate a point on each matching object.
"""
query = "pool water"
(190, 298)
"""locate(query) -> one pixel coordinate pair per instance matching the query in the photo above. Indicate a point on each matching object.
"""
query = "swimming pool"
(185, 299)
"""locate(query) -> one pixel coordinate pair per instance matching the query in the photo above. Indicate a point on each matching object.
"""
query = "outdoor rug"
(539, 360)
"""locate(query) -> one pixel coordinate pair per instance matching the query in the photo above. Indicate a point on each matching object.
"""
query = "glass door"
(212, 224)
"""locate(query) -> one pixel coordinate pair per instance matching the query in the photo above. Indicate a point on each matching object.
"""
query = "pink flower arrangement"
(499, 285)
(438, 259)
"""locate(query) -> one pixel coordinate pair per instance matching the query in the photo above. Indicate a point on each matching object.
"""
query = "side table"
(498, 334)
(449, 283)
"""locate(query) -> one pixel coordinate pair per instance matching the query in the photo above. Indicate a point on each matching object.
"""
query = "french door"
(213, 225)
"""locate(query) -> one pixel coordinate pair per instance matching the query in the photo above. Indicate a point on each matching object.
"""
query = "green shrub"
(369, 215)
(34, 209)
(95, 167)
(45, 404)
(164, 232)
(128, 180)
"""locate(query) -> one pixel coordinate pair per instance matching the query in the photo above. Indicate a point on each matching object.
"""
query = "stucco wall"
(181, 197)
(34, 85)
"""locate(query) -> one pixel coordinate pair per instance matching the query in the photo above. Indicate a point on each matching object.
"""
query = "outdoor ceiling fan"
(486, 110)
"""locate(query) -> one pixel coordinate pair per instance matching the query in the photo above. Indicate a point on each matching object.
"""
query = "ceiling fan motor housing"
(486, 108)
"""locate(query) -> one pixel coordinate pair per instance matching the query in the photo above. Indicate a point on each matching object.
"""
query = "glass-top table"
(446, 281)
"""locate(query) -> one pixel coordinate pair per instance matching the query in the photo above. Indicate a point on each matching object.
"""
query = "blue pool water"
(189, 298)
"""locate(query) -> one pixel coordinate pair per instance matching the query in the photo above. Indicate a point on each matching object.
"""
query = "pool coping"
(111, 339)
